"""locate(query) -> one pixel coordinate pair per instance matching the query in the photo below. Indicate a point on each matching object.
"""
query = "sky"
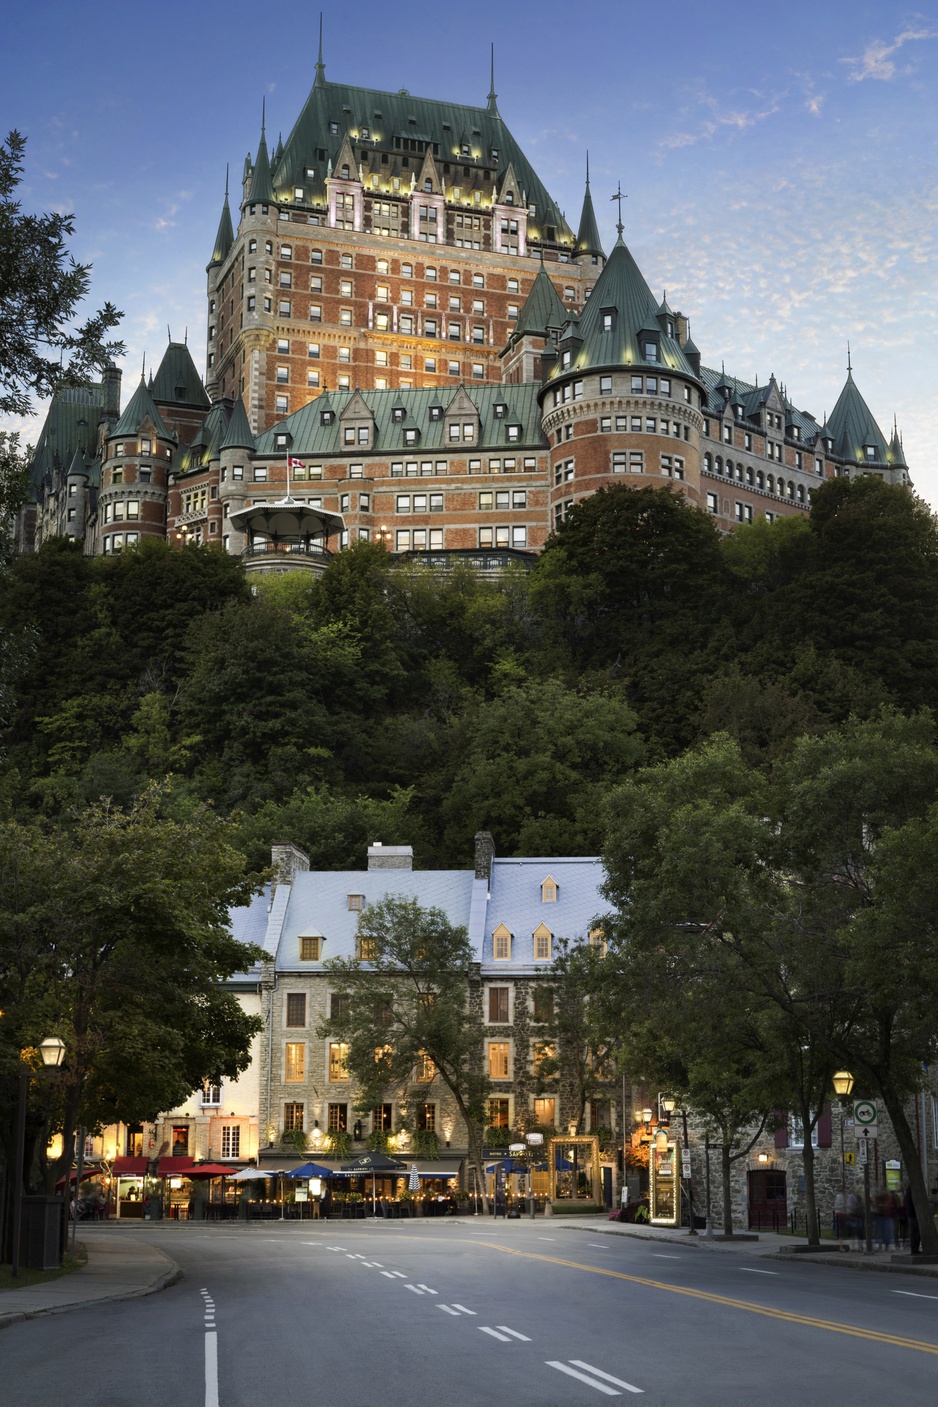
(779, 163)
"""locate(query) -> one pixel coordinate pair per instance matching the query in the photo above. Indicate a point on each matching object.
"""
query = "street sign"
(864, 1112)
(850, 1158)
(864, 1152)
(867, 1133)
(685, 1162)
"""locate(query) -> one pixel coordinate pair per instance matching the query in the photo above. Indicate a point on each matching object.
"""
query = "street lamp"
(52, 1051)
(843, 1088)
(534, 1141)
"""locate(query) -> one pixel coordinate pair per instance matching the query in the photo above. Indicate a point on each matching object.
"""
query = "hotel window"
(499, 1060)
(382, 1118)
(338, 1118)
(549, 891)
(260, 475)
(294, 1063)
(293, 1117)
(543, 939)
(498, 1005)
(283, 307)
(543, 1005)
(230, 1140)
(286, 279)
(597, 941)
(338, 1062)
(426, 1118)
(367, 948)
(315, 312)
(345, 354)
(499, 1113)
(296, 1008)
(425, 1070)
(512, 312)
(281, 405)
(310, 949)
(636, 461)
(345, 260)
(544, 1112)
(619, 462)
(478, 371)
(211, 1094)
(345, 317)
(501, 943)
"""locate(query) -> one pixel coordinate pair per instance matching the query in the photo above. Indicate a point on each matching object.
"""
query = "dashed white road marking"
(399, 1274)
(448, 1309)
(427, 1290)
(547, 1238)
(462, 1308)
(912, 1295)
(659, 1255)
(416, 1289)
(514, 1333)
(629, 1387)
(389, 1274)
(494, 1333)
(751, 1270)
(573, 1373)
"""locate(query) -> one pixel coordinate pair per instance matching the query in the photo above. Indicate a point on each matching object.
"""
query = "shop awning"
(176, 1167)
(129, 1167)
(436, 1167)
(210, 1170)
(89, 1169)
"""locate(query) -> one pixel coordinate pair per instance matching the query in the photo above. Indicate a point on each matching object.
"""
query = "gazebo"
(285, 535)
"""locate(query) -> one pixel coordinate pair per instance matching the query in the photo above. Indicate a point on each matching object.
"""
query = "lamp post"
(534, 1141)
(52, 1051)
(843, 1088)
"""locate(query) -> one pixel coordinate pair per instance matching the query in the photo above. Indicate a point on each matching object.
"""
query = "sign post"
(867, 1129)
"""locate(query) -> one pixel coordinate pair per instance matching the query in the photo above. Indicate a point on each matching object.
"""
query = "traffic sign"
(685, 1162)
(864, 1152)
(867, 1133)
(864, 1112)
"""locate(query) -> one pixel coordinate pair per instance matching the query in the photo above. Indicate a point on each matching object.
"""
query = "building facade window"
(499, 1060)
(294, 1063)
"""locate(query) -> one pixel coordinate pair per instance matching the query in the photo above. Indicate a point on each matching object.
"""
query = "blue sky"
(780, 163)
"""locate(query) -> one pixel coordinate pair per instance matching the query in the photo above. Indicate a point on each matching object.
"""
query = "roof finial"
(263, 116)
(493, 96)
(185, 338)
(849, 365)
(620, 197)
(169, 335)
(143, 369)
(226, 180)
(320, 66)
(587, 169)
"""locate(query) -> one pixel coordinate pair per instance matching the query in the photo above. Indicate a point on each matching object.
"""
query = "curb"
(162, 1282)
(852, 1263)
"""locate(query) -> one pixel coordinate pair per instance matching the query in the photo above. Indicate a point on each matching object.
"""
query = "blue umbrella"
(310, 1170)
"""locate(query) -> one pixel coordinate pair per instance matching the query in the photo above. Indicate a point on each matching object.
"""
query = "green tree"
(41, 287)
(793, 893)
(412, 1000)
(114, 935)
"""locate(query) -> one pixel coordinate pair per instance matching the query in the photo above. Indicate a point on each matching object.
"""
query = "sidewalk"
(768, 1244)
(116, 1270)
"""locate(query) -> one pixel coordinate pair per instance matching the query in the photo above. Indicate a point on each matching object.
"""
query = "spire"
(224, 239)
(493, 96)
(852, 428)
(849, 367)
(261, 192)
(238, 435)
(587, 239)
(320, 66)
(620, 197)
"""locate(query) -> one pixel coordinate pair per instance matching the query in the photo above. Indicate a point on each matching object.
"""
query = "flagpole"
(288, 476)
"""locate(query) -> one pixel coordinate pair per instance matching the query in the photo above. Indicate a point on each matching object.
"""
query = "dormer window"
(500, 410)
(870, 452)
(509, 198)
(549, 891)
(608, 319)
(543, 939)
(310, 949)
(411, 436)
(598, 941)
(501, 944)
(366, 133)
(326, 417)
(356, 903)
(397, 414)
(650, 351)
(436, 412)
(334, 128)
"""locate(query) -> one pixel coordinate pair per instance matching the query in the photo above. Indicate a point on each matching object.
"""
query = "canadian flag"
(294, 463)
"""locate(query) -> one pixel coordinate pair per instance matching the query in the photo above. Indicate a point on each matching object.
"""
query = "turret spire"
(493, 96)
(320, 66)
(587, 239)
(620, 197)
(262, 190)
(224, 239)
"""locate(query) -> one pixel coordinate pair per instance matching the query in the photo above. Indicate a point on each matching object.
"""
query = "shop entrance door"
(768, 1200)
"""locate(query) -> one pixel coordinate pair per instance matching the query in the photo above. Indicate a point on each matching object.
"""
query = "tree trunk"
(475, 1155)
(810, 1200)
(727, 1166)
(913, 1168)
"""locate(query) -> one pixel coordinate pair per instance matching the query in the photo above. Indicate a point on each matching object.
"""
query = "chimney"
(485, 854)
(287, 859)
(390, 857)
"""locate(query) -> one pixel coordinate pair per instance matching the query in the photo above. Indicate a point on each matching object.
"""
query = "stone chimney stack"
(287, 859)
(390, 857)
(485, 854)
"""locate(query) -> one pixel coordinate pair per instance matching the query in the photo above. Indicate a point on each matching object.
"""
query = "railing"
(286, 549)
(477, 559)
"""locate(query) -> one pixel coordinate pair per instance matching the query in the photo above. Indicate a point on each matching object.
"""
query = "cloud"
(738, 119)
(876, 61)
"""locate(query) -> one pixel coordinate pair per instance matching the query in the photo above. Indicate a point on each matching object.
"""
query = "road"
(470, 1315)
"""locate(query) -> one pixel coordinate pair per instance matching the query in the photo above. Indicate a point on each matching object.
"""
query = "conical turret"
(224, 239)
(238, 435)
(261, 191)
(588, 243)
(856, 436)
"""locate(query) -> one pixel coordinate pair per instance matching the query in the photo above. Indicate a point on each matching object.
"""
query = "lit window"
(294, 1065)
(338, 1062)
(310, 949)
(499, 1060)
(549, 891)
(501, 943)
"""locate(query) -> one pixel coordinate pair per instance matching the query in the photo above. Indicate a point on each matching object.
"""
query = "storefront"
(663, 1184)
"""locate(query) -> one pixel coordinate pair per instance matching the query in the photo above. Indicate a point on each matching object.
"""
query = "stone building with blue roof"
(407, 339)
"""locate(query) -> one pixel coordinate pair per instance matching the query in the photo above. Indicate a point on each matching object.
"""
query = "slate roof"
(317, 906)
(515, 901)
(445, 125)
(311, 437)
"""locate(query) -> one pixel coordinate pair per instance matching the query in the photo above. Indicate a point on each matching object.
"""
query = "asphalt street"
(461, 1315)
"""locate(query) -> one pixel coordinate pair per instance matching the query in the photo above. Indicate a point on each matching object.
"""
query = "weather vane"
(620, 197)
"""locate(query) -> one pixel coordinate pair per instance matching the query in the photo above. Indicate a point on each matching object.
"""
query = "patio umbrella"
(413, 1182)
(374, 1163)
(250, 1175)
(310, 1170)
(209, 1170)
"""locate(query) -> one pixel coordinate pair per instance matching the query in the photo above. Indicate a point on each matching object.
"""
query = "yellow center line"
(831, 1325)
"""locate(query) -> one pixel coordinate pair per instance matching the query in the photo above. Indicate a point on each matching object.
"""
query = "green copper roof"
(896, 452)
(224, 239)
(309, 437)
(71, 423)
(852, 427)
(177, 382)
(207, 441)
(542, 309)
(238, 435)
(389, 116)
(587, 239)
(261, 192)
(622, 292)
(139, 408)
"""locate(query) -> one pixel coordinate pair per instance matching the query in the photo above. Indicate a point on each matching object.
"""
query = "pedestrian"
(840, 1217)
(881, 1233)
(915, 1235)
(854, 1220)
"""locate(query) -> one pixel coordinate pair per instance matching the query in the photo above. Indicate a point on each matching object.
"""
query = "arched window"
(719, 465)
(801, 493)
(771, 483)
(730, 468)
(760, 480)
(791, 489)
(708, 463)
(750, 477)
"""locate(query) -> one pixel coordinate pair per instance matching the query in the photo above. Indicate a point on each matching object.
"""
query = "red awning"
(211, 1170)
(129, 1167)
(175, 1167)
(88, 1170)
